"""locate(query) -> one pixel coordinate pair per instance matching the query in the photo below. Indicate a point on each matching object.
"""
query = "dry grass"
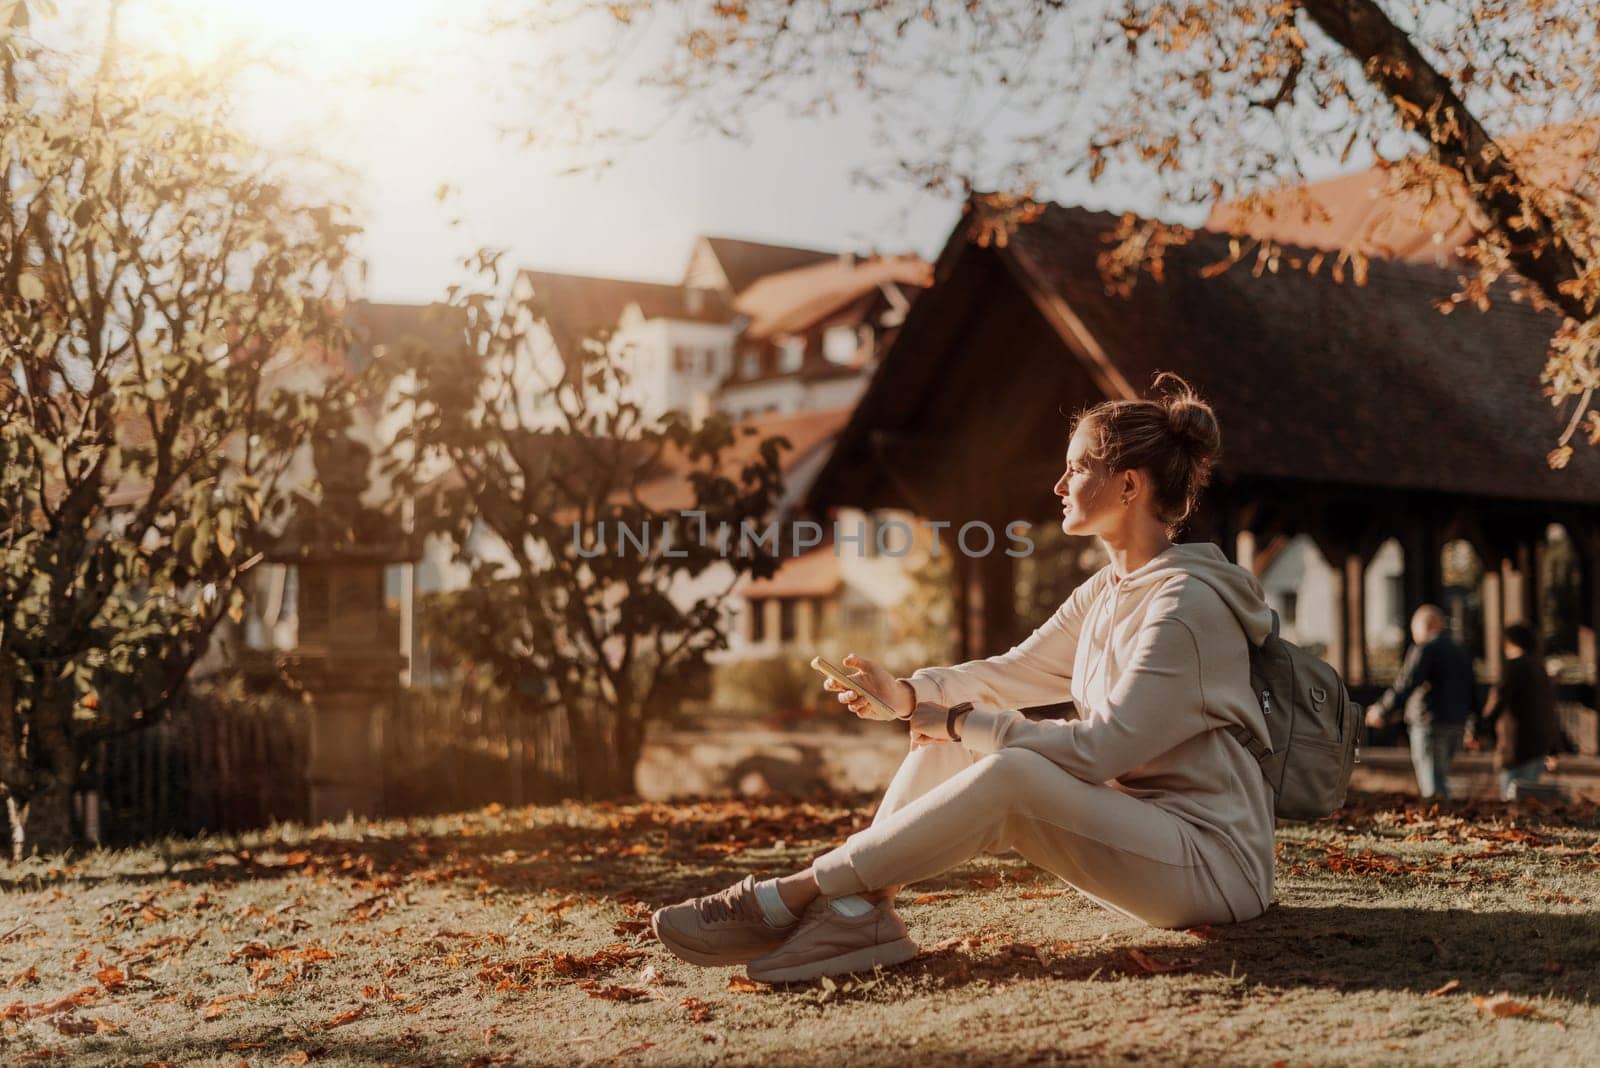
(518, 937)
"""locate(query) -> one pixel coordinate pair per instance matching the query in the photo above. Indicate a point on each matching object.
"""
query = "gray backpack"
(1312, 723)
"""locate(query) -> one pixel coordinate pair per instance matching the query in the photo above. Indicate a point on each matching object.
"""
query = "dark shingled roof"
(1314, 380)
(745, 261)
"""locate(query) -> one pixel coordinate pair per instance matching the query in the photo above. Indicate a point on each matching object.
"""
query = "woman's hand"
(890, 690)
(931, 723)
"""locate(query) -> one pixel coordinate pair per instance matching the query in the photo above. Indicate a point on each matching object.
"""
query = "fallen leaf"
(299, 1056)
(1504, 1005)
(1449, 988)
(343, 1018)
(699, 1011)
(741, 985)
(611, 992)
(1205, 932)
(650, 976)
(73, 1025)
(1151, 965)
(112, 979)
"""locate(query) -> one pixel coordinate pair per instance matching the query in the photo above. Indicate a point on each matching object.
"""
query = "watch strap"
(950, 718)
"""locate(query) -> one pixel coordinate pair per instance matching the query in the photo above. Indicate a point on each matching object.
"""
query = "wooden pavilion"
(1350, 413)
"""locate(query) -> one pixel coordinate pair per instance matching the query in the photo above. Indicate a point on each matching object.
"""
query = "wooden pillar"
(1534, 601)
(1493, 623)
(1511, 590)
(992, 601)
(1588, 608)
(1354, 612)
(1339, 640)
(1589, 546)
(961, 574)
(1422, 579)
(1244, 553)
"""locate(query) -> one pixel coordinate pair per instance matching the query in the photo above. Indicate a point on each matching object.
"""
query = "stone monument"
(347, 656)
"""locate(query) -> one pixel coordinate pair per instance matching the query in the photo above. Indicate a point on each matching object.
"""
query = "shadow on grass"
(1348, 948)
(648, 851)
(410, 1049)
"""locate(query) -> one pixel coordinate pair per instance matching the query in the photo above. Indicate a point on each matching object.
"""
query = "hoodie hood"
(1238, 587)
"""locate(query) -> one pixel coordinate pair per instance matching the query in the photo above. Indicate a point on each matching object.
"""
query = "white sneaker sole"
(886, 955)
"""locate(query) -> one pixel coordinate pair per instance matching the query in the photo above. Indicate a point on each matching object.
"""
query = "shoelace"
(730, 904)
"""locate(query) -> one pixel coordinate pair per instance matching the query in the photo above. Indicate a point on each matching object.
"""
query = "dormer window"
(792, 353)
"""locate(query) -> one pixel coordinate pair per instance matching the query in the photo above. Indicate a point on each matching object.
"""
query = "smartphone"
(880, 710)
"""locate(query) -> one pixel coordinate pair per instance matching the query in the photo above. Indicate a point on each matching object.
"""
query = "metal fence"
(226, 766)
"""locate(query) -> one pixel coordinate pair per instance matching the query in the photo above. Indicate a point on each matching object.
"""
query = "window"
(786, 619)
(793, 350)
(752, 363)
(1291, 604)
(681, 359)
(839, 344)
(758, 622)
(708, 365)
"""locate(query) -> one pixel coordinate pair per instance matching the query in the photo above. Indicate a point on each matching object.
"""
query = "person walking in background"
(1435, 690)
(1521, 710)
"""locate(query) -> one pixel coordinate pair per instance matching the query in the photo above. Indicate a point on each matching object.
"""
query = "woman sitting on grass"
(1145, 803)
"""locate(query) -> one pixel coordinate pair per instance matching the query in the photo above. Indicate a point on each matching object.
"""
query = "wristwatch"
(950, 718)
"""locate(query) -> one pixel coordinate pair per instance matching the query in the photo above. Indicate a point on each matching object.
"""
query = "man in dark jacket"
(1437, 692)
(1522, 711)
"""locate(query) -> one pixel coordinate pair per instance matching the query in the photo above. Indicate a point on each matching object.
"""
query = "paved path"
(736, 757)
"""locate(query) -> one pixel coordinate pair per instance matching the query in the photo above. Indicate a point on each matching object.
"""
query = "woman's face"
(1089, 495)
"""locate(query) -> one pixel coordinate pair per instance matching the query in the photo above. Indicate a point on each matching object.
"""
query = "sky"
(431, 122)
(409, 97)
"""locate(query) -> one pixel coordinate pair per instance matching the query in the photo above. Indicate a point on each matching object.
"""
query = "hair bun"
(1190, 419)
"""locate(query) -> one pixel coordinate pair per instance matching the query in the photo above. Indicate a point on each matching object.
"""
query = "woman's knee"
(1010, 775)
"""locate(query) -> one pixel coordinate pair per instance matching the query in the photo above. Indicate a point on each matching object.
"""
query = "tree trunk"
(1430, 105)
(43, 823)
(605, 753)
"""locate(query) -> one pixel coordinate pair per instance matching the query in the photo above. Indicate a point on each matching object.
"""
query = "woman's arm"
(1036, 671)
(1156, 706)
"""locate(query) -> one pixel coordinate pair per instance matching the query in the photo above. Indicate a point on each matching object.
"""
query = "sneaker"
(826, 943)
(722, 928)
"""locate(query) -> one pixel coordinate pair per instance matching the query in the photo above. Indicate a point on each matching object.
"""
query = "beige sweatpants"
(946, 805)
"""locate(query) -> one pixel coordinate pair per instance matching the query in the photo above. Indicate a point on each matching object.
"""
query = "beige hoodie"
(1155, 662)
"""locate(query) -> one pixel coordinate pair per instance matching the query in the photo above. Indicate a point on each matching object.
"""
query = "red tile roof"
(812, 574)
(578, 307)
(794, 301)
(806, 432)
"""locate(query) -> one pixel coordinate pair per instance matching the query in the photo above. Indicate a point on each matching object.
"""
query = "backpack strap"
(1252, 745)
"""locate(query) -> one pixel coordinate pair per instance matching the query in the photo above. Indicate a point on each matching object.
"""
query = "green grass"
(518, 937)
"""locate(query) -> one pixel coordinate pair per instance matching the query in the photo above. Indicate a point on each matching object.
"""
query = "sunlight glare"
(347, 32)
